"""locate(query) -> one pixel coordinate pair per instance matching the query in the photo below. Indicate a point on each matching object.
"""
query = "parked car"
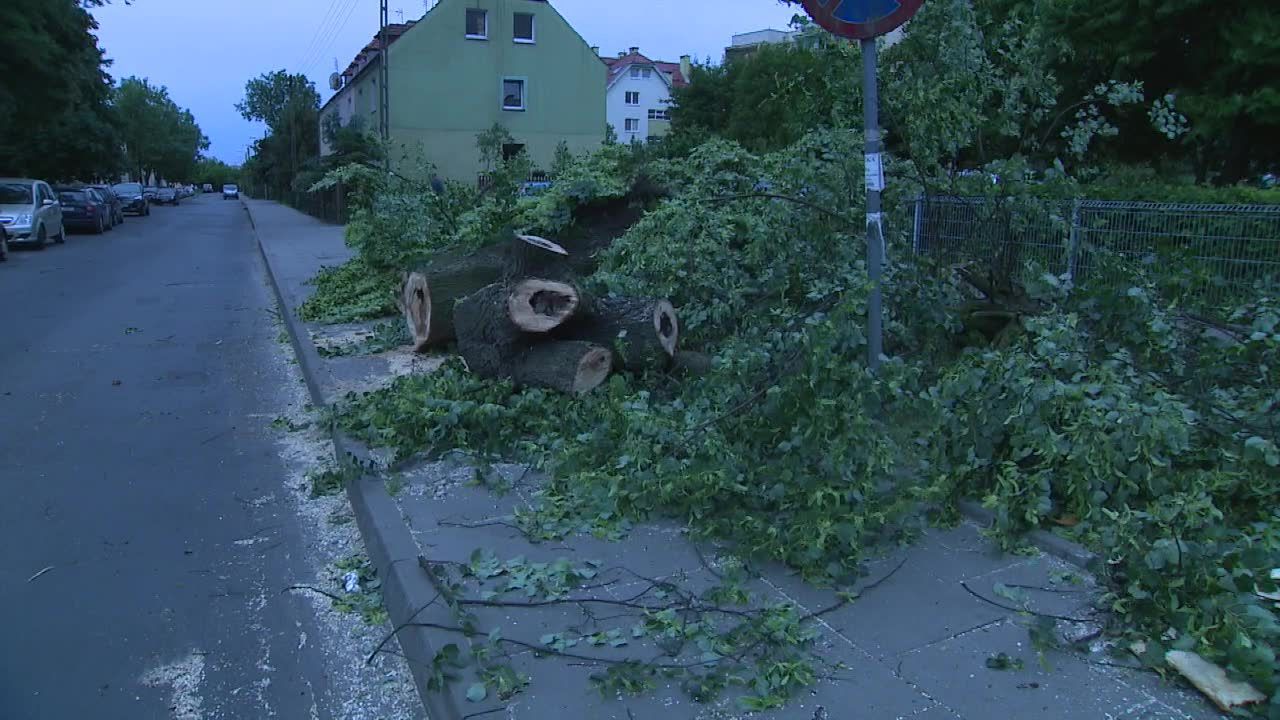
(167, 195)
(117, 205)
(84, 209)
(29, 212)
(207, 187)
(4, 244)
(132, 198)
(230, 192)
(150, 192)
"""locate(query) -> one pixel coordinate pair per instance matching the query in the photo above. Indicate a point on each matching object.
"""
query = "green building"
(468, 64)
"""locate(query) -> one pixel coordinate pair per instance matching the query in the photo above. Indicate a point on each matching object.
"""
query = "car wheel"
(148, 211)
(61, 237)
(42, 238)
(4, 249)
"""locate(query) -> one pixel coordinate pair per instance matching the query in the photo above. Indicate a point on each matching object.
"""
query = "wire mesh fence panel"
(1012, 239)
(1205, 256)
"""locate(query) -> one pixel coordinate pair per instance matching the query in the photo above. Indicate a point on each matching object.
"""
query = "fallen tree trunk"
(572, 366)
(487, 339)
(642, 333)
(533, 256)
(428, 294)
(540, 305)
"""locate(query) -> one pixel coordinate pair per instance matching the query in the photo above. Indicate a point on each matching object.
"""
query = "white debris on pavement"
(183, 678)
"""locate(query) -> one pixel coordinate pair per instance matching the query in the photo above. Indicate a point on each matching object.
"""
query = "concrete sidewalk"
(914, 644)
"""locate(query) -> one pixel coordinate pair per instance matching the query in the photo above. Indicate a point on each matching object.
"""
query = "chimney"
(686, 67)
(622, 53)
(634, 50)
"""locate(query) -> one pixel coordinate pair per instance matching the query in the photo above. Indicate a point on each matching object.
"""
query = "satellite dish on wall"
(335, 82)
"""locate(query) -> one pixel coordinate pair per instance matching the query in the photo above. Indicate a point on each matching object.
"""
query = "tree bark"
(540, 305)
(428, 294)
(643, 333)
(533, 256)
(571, 366)
(487, 339)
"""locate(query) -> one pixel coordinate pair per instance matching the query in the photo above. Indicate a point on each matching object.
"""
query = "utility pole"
(384, 96)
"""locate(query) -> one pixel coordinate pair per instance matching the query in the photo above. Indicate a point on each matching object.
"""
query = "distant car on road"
(207, 187)
(150, 192)
(84, 209)
(167, 195)
(132, 198)
(230, 192)
(117, 205)
(29, 212)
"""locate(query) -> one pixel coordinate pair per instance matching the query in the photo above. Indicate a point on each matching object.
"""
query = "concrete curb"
(1047, 542)
(392, 550)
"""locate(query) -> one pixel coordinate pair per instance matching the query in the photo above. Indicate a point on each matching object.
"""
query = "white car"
(230, 192)
(30, 213)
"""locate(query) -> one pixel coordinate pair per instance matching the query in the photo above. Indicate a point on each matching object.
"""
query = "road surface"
(148, 525)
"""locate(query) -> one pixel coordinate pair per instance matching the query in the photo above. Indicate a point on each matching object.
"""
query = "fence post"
(1073, 241)
(915, 232)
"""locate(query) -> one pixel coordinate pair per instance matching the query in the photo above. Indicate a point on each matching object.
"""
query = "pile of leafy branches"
(1145, 430)
(350, 292)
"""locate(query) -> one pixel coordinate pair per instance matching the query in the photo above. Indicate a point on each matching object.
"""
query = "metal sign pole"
(865, 20)
(875, 184)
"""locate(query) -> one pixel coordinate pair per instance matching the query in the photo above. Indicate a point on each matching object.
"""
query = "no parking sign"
(861, 19)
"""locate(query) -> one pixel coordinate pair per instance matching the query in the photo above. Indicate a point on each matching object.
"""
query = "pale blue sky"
(205, 51)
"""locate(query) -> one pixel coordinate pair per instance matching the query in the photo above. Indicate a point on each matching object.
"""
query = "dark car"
(84, 209)
(117, 205)
(132, 198)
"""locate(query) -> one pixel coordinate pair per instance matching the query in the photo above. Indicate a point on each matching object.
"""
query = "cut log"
(540, 305)
(572, 366)
(533, 256)
(428, 294)
(487, 339)
(691, 363)
(642, 333)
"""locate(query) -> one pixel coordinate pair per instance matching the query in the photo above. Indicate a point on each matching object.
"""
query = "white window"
(635, 71)
(659, 114)
(633, 97)
(632, 125)
(523, 28)
(477, 24)
(513, 94)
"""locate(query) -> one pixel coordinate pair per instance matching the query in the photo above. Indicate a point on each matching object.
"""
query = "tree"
(1217, 59)
(158, 135)
(55, 115)
(289, 105)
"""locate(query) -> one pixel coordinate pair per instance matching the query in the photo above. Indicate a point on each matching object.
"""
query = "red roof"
(617, 65)
(394, 31)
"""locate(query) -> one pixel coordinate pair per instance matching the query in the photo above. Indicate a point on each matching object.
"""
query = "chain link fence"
(1211, 255)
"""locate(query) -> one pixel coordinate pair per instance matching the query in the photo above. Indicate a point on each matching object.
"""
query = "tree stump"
(428, 294)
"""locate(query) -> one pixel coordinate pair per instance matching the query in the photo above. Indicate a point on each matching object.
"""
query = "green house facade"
(468, 64)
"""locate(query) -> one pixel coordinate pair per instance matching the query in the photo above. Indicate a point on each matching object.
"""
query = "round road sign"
(861, 19)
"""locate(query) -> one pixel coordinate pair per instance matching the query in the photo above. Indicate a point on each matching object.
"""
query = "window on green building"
(523, 27)
(477, 24)
(512, 94)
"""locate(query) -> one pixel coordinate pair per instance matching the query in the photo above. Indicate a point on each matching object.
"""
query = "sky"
(204, 51)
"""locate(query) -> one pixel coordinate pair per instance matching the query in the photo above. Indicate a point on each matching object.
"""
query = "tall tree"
(158, 135)
(55, 115)
(289, 106)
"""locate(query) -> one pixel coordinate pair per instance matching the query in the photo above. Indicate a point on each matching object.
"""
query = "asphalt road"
(139, 471)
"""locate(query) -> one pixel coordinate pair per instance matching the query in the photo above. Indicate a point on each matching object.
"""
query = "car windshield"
(72, 196)
(15, 194)
(127, 188)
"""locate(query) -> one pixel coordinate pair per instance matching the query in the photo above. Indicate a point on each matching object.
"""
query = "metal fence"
(1213, 254)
